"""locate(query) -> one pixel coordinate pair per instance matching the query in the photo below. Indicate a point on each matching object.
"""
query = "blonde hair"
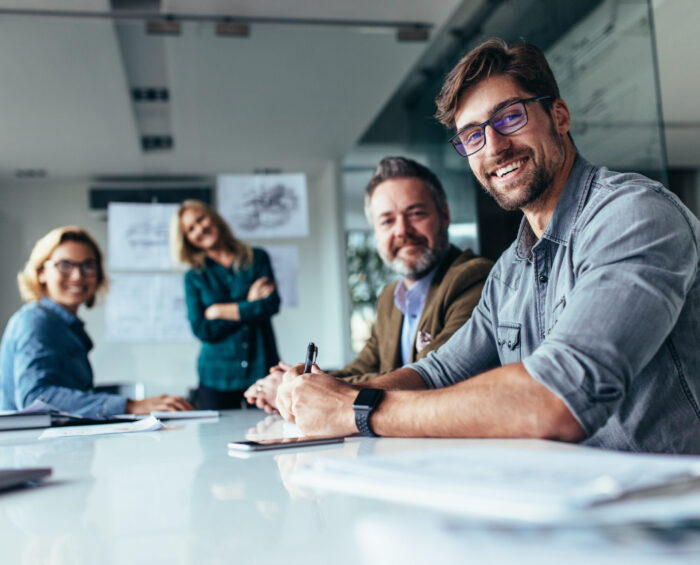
(184, 252)
(30, 289)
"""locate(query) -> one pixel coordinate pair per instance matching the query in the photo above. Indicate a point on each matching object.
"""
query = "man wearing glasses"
(587, 329)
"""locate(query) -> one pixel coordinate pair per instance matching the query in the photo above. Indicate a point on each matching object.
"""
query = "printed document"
(515, 483)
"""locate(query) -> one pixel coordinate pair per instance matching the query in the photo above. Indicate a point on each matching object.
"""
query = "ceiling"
(288, 97)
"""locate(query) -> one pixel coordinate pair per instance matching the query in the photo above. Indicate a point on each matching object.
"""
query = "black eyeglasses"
(506, 121)
(88, 268)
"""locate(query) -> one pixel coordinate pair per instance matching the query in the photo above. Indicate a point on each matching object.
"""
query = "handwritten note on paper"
(138, 236)
(149, 424)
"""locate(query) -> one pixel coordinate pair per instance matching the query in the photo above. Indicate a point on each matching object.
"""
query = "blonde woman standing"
(231, 297)
(44, 350)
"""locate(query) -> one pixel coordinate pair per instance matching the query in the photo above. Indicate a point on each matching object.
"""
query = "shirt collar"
(75, 324)
(566, 212)
(68, 317)
(416, 294)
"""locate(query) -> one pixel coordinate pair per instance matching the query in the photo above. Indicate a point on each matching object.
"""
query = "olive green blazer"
(453, 294)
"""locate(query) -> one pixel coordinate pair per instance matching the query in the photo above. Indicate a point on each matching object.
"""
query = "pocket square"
(423, 340)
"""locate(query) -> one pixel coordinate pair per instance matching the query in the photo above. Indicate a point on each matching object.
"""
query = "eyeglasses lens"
(505, 121)
(87, 268)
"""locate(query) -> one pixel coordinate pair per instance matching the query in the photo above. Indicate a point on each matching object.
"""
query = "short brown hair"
(184, 252)
(30, 289)
(403, 168)
(524, 63)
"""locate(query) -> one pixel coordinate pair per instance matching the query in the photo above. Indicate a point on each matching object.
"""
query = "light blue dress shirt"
(411, 303)
(603, 310)
(44, 356)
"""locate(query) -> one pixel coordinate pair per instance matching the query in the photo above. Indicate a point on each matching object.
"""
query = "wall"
(31, 208)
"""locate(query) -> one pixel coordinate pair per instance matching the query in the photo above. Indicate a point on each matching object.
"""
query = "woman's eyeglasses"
(88, 268)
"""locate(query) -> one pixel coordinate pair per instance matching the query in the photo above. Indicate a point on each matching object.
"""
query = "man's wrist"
(365, 403)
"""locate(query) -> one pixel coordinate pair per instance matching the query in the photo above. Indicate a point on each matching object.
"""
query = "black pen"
(311, 354)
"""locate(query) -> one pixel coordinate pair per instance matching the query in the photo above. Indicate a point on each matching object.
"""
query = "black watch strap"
(367, 400)
(362, 423)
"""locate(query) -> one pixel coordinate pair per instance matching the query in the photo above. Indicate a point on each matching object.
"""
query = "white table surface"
(176, 496)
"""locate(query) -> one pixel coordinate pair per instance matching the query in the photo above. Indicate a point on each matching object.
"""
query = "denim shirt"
(44, 356)
(603, 310)
(234, 354)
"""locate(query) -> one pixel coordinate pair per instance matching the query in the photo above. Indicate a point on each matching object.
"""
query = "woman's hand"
(163, 402)
(261, 288)
(228, 311)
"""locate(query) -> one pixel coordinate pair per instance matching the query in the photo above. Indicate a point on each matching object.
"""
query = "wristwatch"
(366, 401)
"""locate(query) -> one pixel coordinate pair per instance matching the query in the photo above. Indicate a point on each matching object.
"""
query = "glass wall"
(602, 54)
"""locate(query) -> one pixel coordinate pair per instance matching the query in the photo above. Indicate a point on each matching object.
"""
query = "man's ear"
(446, 214)
(561, 116)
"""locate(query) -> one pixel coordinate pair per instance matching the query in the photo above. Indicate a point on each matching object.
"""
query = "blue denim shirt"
(44, 356)
(604, 310)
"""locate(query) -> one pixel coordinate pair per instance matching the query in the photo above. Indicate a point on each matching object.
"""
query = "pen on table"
(311, 354)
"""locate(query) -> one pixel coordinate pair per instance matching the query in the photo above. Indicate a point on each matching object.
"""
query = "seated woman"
(44, 350)
(231, 296)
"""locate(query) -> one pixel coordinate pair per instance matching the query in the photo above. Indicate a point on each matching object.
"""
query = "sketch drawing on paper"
(267, 207)
(264, 206)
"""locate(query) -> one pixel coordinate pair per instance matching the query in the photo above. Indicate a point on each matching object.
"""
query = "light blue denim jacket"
(44, 356)
(604, 310)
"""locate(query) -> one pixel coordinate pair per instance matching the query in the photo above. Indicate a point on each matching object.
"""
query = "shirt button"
(543, 279)
(244, 364)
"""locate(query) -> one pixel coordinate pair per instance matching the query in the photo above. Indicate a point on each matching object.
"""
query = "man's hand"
(261, 288)
(263, 392)
(319, 404)
(164, 402)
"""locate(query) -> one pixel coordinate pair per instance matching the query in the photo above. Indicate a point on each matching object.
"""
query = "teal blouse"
(233, 354)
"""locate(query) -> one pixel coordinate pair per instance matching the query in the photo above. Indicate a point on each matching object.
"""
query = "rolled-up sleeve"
(634, 259)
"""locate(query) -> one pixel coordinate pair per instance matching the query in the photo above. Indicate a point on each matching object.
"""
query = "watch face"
(368, 398)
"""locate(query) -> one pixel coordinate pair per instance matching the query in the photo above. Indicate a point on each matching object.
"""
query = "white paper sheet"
(264, 206)
(285, 265)
(511, 483)
(138, 236)
(147, 307)
(169, 415)
(149, 424)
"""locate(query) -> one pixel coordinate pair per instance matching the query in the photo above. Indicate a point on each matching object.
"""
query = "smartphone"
(282, 443)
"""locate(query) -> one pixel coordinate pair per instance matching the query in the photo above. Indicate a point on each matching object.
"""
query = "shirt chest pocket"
(508, 339)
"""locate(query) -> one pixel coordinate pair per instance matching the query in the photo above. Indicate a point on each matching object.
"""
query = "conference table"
(176, 496)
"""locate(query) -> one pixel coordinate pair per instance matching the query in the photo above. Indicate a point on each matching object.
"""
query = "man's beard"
(425, 262)
(520, 197)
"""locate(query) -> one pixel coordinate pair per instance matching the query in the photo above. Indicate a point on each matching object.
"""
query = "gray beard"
(425, 262)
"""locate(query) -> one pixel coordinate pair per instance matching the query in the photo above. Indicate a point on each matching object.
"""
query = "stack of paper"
(517, 483)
